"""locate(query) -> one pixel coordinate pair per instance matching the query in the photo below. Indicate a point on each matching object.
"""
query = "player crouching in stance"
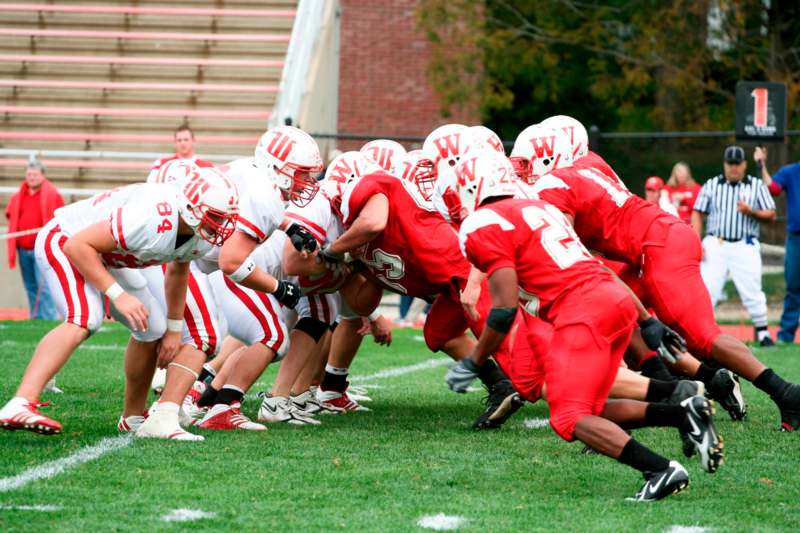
(85, 252)
(533, 258)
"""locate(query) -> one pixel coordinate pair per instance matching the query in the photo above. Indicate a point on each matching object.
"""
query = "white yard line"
(536, 423)
(39, 508)
(441, 522)
(53, 468)
(688, 529)
(400, 370)
(12, 344)
(186, 515)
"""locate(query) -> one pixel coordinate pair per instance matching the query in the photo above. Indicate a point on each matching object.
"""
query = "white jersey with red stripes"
(261, 206)
(144, 223)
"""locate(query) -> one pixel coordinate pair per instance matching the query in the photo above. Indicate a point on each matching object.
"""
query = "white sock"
(336, 371)
(168, 407)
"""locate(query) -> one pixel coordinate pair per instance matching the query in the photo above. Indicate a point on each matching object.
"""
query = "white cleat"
(280, 409)
(51, 387)
(358, 394)
(162, 423)
(20, 413)
(190, 407)
(306, 404)
(129, 424)
(159, 380)
(339, 400)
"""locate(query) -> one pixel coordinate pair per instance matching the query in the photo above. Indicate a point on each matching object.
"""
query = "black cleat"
(789, 404)
(686, 389)
(658, 485)
(700, 431)
(502, 402)
(766, 342)
(725, 388)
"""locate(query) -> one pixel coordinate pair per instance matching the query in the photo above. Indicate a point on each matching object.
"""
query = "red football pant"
(592, 329)
(674, 288)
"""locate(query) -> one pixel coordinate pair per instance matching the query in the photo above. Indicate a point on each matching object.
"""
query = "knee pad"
(312, 327)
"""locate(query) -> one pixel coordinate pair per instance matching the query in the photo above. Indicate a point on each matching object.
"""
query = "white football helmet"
(539, 150)
(345, 169)
(414, 164)
(443, 148)
(483, 174)
(578, 137)
(209, 203)
(483, 136)
(291, 158)
(386, 153)
(173, 172)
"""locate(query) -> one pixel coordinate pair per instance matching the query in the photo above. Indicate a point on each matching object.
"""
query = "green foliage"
(621, 65)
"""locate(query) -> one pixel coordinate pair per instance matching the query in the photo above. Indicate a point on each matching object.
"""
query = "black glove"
(287, 293)
(302, 239)
(666, 342)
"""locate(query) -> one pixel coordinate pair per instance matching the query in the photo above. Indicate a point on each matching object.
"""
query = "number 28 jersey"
(535, 239)
(417, 253)
(144, 224)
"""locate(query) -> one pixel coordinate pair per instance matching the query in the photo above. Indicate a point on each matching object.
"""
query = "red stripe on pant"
(205, 316)
(253, 308)
(268, 304)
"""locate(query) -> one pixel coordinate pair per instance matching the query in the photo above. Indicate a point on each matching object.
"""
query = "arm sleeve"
(487, 240)
(703, 199)
(784, 176)
(775, 188)
(763, 197)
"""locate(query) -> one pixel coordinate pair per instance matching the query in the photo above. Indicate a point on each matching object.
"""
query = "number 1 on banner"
(761, 97)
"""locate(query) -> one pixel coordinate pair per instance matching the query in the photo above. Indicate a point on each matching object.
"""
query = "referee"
(735, 204)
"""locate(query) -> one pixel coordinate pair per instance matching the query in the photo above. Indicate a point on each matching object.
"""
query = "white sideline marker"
(53, 468)
(400, 370)
(39, 508)
(688, 529)
(441, 522)
(186, 515)
(535, 423)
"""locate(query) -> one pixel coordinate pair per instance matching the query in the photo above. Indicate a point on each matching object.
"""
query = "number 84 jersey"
(535, 239)
(144, 224)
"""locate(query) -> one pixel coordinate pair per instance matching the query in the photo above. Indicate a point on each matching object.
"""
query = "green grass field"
(413, 455)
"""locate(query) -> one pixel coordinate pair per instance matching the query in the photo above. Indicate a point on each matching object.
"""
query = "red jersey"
(30, 217)
(683, 198)
(607, 216)
(536, 240)
(417, 253)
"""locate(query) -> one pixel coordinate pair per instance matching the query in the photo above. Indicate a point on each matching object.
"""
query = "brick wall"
(383, 85)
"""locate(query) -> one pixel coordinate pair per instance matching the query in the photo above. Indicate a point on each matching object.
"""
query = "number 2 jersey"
(417, 253)
(537, 241)
(607, 217)
(144, 224)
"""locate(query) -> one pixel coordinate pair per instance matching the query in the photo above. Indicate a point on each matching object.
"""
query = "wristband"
(243, 271)
(114, 291)
(174, 325)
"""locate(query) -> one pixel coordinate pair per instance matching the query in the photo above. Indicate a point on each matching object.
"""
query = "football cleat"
(339, 400)
(129, 424)
(358, 394)
(306, 404)
(20, 413)
(52, 387)
(189, 405)
(163, 424)
(725, 388)
(789, 404)
(280, 409)
(229, 417)
(686, 389)
(658, 485)
(502, 402)
(158, 381)
(699, 429)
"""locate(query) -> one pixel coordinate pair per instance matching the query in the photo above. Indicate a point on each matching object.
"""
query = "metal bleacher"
(110, 78)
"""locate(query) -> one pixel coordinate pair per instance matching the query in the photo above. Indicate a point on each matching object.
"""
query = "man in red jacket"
(29, 209)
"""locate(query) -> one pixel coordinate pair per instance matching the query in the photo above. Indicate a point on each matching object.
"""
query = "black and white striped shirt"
(718, 200)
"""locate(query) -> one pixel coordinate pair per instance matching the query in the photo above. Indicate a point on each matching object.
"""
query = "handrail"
(133, 112)
(122, 85)
(164, 138)
(124, 60)
(145, 10)
(148, 36)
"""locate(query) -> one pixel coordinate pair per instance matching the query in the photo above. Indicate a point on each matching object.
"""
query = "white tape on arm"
(174, 325)
(243, 271)
(114, 291)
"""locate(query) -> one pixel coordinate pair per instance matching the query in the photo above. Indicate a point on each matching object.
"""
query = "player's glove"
(302, 239)
(666, 342)
(287, 293)
(461, 375)
(332, 261)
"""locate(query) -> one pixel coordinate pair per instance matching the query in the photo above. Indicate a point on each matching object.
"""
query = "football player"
(535, 262)
(84, 252)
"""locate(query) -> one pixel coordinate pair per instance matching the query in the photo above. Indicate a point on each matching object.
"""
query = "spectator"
(787, 179)
(682, 190)
(654, 193)
(735, 204)
(184, 148)
(29, 209)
